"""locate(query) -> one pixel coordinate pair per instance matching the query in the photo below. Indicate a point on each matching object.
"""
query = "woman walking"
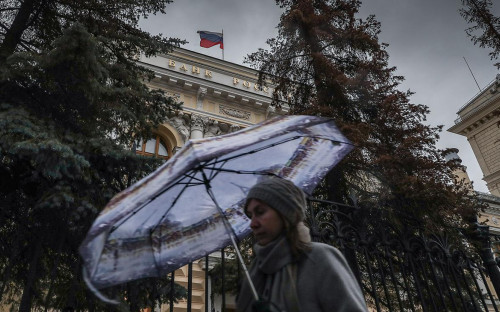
(291, 273)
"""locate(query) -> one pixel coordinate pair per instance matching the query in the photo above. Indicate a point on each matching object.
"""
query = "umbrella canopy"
(180, 212)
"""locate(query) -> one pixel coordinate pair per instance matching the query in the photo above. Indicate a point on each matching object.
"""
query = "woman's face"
(266, 223)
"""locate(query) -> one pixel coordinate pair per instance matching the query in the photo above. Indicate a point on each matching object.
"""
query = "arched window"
(155, 147)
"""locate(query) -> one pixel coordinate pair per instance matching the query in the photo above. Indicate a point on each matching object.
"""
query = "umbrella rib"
(213, 169)
(224, 161)
(256, 150)
(272, 145)
(116, 226)
(243, 171)
(189, 184)
(193, 178)
(186, 185)
(214, 172)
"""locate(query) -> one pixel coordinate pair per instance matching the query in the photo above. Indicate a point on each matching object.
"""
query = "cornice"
(179, 80)
(478, 117)
(492, 83)
(488, 197)
(481, 110)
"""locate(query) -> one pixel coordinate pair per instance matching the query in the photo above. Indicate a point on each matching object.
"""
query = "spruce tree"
(72, 103)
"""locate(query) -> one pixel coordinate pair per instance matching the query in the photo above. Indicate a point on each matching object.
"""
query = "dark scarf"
(271, 275)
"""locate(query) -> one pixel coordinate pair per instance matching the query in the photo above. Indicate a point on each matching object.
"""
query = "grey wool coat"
(324, 281)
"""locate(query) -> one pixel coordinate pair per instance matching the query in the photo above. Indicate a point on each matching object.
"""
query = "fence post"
(487, 257)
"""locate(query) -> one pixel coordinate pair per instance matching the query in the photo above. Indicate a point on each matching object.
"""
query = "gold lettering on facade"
(208, 73)
(195, 70)
(248, 85)
(234, 112)
(171, 63)
(183, 67)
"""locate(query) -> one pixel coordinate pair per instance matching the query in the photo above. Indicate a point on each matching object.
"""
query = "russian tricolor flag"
(209, 39)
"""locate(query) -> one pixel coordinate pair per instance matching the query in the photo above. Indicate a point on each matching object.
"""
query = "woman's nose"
(253, 223)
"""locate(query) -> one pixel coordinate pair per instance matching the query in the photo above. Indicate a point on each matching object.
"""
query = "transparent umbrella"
(193, 204)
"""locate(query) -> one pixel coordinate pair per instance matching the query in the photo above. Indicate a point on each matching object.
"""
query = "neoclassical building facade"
(479, 121)
(217, 97)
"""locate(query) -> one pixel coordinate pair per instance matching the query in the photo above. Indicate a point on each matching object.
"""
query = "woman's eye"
(259, 212)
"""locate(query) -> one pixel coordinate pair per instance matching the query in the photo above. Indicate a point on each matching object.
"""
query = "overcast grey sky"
(427, 43)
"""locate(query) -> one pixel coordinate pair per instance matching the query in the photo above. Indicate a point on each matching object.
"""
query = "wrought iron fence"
(398, 269)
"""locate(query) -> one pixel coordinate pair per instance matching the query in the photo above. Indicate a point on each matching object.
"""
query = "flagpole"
(222, 43)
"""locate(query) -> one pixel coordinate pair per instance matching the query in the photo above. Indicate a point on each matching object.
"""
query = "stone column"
(197, 126)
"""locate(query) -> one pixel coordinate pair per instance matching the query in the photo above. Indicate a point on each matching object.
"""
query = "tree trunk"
(5, 277)
(53, 272)
(71, 299)
(27, 297)
(14, 33)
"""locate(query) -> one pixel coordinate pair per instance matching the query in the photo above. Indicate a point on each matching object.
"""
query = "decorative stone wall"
(193, 126)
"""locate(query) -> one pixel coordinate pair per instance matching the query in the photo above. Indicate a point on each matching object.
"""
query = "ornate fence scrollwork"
(401, 269)
(398, 267)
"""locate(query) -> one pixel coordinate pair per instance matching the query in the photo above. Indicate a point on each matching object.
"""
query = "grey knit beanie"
(281, 195)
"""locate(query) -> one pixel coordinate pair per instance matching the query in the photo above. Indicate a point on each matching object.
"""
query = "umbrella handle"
(229, 230)
(252, 287)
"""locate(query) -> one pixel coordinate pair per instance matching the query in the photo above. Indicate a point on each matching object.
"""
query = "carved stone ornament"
(234, 128)
(202, 92)
(270, 111)
(198, 123)
(180, 124)
(212, 129)
(233, 112)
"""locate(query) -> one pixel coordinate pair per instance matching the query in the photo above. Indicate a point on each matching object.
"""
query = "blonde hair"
(299, 244)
